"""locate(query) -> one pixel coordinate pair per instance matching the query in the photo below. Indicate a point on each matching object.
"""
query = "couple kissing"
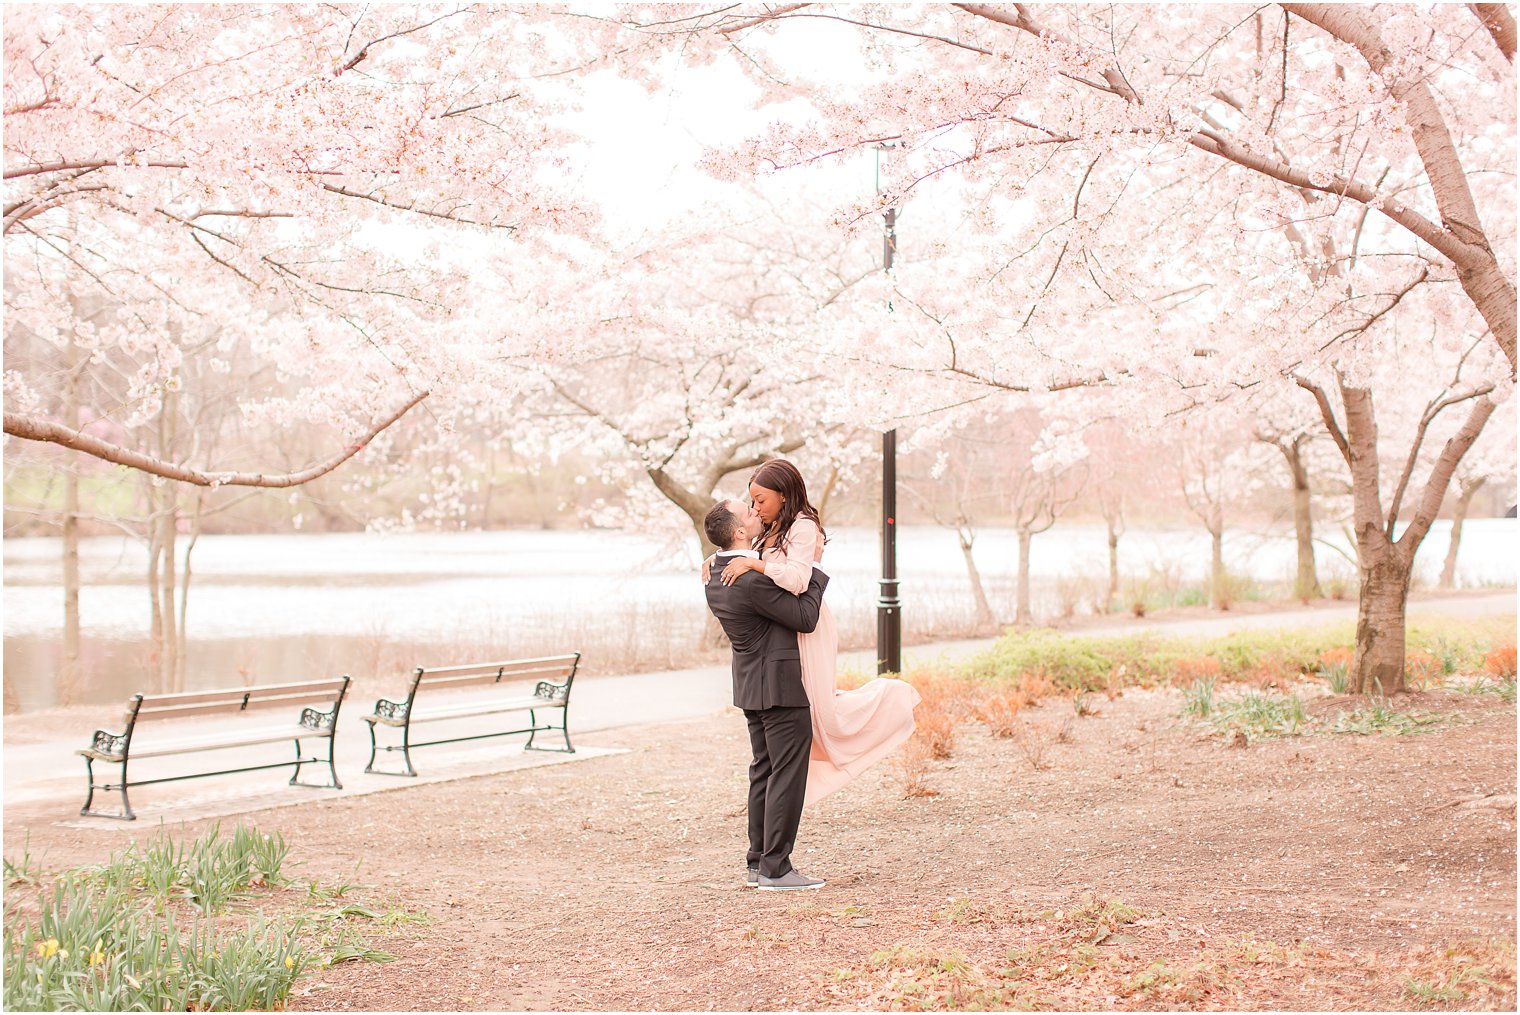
(765, 585)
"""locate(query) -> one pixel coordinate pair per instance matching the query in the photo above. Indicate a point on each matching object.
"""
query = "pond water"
(271, 607)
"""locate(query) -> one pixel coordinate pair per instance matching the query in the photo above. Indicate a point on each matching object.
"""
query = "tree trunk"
(180, 646)
(1219, 598)
(155, 598)
(1306, 582)
(1466, 492)
(168, 659)
(161, 564)
(70, 678)
(1113, 569)
(1378, 666)
(1023, 615)
(984, 617)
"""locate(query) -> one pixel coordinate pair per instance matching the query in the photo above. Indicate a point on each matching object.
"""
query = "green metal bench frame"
(311, 723)
(552, 693)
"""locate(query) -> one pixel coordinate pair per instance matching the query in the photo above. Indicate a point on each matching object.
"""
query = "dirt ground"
(1147, 864)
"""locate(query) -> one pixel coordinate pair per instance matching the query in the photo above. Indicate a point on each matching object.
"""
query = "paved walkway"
(44, 780)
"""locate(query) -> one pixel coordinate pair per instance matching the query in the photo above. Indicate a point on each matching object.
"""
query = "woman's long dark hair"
(782, 476)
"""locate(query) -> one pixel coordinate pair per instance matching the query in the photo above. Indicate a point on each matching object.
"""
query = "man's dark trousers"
(781, 739)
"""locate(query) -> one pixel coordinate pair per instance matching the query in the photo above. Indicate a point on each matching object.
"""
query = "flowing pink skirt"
(852, 730)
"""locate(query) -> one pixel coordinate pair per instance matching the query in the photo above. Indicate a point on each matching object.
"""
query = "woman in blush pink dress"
(852, 730)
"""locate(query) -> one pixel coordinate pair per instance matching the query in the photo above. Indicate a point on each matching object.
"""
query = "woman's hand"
(738, 566)
(707, 568)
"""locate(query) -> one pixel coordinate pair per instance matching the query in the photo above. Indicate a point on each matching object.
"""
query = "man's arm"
(797, 612)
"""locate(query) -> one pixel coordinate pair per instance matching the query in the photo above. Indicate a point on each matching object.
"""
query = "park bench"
(316, 720)
(554, 676)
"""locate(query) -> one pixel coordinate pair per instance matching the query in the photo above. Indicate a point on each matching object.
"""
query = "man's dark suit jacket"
(762, 620)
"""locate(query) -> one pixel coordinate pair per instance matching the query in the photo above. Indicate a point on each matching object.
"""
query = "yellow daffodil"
(97, 956)
(290, 963)
(47, 949)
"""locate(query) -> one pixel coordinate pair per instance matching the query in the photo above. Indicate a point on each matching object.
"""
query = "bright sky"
(643, 147)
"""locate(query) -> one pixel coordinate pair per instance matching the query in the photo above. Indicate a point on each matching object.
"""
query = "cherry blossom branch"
(1465, 243)
(1434, 409)
(770, 15)
(414, 208)
(1372, 319)
(35, 429)
(337, 189)
(364, 50)
(1460, 236)
(1327, 411)
(1440, 478)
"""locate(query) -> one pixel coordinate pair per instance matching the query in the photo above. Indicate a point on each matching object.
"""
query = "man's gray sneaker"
(791, 881)
(752, 876)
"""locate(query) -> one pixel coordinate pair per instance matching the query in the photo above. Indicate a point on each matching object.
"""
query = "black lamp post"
(888, 607)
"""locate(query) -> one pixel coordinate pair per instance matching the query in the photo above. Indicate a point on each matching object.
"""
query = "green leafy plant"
(1198, 698)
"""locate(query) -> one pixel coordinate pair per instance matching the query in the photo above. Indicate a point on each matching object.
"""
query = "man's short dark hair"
(720, 525)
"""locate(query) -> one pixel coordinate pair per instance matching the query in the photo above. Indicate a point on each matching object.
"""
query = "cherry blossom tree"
(690, 381)
(1398, 112)
(958, 492)
(246, 169)
(1377, 415)
(1218, 467)
(1287, 425)
(308, 191)
(1182, 203)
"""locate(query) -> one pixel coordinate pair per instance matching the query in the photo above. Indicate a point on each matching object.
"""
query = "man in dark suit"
(762, 620)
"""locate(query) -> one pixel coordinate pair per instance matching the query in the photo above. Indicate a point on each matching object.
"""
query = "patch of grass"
(1056, 963)
(1504, 688)
(1422, 670)
(23, 871)
(1468, 975)
(1335, 668)
(936, 980)
(95, 947)
(1198, 698)
(1378, 716)
(144, 930)
(964, 910)
(1095, 919)
(756, 934)
(1259, 715)
(1439, 645)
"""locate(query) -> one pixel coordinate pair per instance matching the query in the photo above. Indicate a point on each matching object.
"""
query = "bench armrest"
(552, 692)
(387, 709)
(106, 742)
(319, 721)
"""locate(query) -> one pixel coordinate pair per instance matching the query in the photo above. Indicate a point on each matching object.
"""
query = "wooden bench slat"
(440, 676)
(471, 680)
(255, 691)
(563, 664)
(232, 707)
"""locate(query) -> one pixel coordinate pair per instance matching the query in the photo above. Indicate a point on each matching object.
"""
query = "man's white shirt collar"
(738, 553)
